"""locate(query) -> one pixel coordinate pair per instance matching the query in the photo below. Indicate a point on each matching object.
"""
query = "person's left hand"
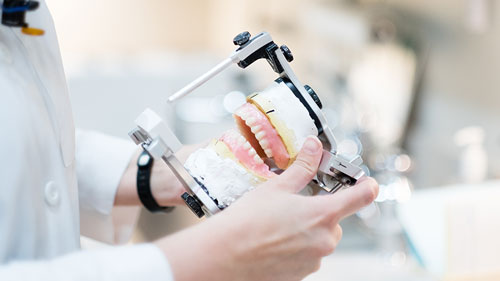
(166, 188)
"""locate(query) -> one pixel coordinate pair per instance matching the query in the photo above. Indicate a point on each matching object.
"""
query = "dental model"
(272, 125)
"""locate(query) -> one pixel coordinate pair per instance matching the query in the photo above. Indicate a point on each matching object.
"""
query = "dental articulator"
(154, 135)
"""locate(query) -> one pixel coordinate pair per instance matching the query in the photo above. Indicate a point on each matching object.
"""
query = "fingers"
(337, 233)
(303, 169)
(348, 201)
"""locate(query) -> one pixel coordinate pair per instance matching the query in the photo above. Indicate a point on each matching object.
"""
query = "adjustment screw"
(287, 53)
(313, 95)
(242, 38)
(193, 204)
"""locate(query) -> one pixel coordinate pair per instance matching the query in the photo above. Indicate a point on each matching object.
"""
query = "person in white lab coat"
(53, 189)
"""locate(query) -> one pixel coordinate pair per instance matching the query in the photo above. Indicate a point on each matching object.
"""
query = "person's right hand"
(271, 233)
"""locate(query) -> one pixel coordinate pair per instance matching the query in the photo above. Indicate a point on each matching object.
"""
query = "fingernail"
(311, 145)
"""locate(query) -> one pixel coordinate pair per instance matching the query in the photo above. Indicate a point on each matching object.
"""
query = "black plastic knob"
(314, 96)
(242, 38)
(287, 53)
(193, 204)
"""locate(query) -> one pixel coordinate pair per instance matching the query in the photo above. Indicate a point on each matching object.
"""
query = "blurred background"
(412, 85)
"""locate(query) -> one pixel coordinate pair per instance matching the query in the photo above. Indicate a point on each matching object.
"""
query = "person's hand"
(271, 233)
(166, 188)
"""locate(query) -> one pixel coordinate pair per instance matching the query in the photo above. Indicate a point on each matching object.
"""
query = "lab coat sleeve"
(123, 263)
(100, 163)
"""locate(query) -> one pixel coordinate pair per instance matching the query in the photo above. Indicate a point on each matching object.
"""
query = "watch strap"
(144, 186)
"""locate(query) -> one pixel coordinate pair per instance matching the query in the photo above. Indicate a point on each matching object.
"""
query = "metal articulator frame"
(153, 134)
(334, 172)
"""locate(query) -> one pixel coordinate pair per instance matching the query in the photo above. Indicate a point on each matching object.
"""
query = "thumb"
(303, 169)
(346, 202)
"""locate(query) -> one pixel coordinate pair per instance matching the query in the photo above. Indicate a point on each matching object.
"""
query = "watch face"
(143, 160)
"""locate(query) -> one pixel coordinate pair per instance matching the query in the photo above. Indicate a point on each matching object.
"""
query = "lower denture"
(246, 154)
(259, 131)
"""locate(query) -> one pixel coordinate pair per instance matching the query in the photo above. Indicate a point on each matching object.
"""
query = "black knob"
(242, 38)
(193, 204)
(313, 95)
(287, 53)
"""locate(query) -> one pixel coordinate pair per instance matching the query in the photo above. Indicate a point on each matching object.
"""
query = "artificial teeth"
(264, 143)
(252, 152)
(247, 145)
(255, 129)
(257, 159)
(268, 152)
(250, 121)
(260, 135)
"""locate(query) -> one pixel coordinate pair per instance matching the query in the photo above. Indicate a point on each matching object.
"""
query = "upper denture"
(261, 134)
(287, 115)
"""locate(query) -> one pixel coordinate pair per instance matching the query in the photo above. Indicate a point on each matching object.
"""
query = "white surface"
(429, 217)
(423, 220)
(366, 266)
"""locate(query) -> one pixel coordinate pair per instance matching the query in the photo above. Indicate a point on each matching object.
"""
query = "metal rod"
(201, 80)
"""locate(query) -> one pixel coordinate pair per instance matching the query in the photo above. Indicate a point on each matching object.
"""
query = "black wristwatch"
(144, 165)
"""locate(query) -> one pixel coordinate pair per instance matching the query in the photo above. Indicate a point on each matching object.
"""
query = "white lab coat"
(46, 194)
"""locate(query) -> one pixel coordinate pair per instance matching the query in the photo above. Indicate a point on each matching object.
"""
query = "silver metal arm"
(201, 80)
(238, 55)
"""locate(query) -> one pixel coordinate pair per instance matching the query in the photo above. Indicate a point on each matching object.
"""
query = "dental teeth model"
(272, 125)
